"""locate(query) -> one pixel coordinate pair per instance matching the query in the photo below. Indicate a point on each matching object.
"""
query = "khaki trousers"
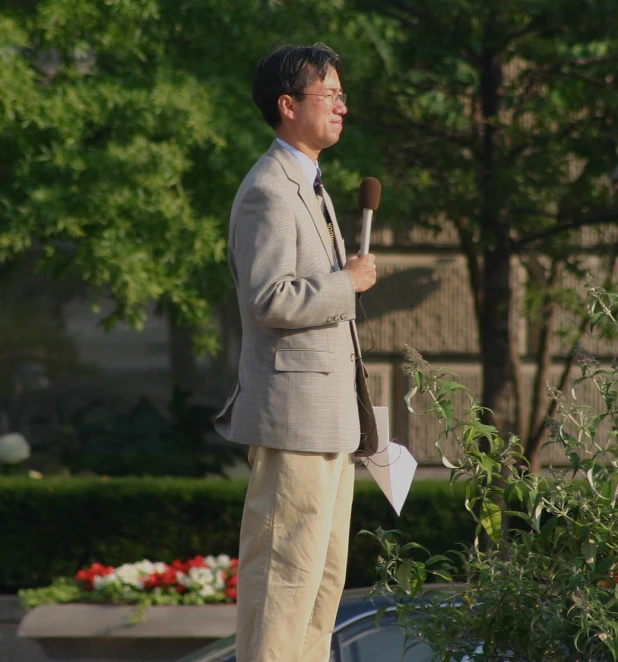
(293, 554)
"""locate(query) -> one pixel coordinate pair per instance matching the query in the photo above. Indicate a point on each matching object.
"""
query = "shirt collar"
(310, 168)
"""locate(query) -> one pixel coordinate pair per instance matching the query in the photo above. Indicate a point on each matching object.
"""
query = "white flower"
(13, 448)
(220, 580)
(202, 575)
(197, 578)
(221, 562)
(131, 575)
(146, 567)
(101, 581)
(208, 582)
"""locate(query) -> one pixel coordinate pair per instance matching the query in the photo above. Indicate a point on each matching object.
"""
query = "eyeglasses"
(330, 99)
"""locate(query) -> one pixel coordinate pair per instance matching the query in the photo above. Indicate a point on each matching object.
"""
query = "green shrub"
(543, 593)
(52, 527)
(432, 515)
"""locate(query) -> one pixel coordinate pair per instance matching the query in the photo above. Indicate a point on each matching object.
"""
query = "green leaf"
(575, 462)
(443, 574)
(535, 508)
(612, 642)
(518, 513)
(403, 576)
(380, 614)
(595, 319)
(491, 519)
(413, 545)
(589, 551)
(447, 463)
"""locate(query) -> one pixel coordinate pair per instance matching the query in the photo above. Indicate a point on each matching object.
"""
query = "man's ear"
(286, 104)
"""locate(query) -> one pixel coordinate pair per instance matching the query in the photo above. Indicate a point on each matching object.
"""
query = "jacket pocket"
(304, 360)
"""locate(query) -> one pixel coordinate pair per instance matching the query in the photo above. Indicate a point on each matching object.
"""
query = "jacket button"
(329, 320)
(352, 357)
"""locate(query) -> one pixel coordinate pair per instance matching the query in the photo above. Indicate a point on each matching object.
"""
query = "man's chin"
(332, 139)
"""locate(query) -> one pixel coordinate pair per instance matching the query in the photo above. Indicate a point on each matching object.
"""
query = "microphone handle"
(366, 231)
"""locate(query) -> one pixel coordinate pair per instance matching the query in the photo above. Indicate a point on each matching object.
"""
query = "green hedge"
(53, 527)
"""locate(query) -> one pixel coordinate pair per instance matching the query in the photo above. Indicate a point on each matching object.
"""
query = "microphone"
(368, 200)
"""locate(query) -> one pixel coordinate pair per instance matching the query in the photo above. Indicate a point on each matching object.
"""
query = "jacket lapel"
(339, 247)
(306, 194)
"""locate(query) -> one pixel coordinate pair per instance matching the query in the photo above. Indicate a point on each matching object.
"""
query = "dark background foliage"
(54, 527)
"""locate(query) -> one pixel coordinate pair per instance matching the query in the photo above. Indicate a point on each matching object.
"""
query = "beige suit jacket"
(296, 380)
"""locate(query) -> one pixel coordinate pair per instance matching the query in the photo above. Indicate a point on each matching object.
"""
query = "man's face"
(316, 122)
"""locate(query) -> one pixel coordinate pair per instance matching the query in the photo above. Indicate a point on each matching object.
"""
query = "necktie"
(319, 194)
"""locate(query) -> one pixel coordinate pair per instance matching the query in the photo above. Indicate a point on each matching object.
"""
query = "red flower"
(197, 562)
(607, 582)
(231, 589)
(165, 579)
(180, 566)
(86, 577)
(184, 567)
(231, 582)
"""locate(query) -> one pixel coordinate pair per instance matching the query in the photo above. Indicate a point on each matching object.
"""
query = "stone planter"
(102, 633)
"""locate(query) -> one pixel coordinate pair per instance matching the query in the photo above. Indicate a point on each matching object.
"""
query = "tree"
(502, 118)
(125, 127)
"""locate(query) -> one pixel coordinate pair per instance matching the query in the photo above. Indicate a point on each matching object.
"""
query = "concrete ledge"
(103, 633)
(116, 650)
(85, 620)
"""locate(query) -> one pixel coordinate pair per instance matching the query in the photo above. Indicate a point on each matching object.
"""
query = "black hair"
(290, 70)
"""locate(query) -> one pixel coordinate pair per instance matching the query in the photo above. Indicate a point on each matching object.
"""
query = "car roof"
(356, 603)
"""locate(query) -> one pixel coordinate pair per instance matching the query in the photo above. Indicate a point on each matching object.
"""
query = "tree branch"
(537, 432)
(404, 11)
(540, 141)
(449, 136)
(542, 353)
(419, 134)
(551, 71)
(590, 219)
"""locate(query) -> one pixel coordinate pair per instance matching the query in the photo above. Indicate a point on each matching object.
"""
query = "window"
(364, 642)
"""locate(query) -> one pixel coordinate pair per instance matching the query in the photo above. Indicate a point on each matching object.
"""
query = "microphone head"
(369, 194)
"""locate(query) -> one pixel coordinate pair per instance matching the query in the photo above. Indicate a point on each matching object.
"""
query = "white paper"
(392, 466)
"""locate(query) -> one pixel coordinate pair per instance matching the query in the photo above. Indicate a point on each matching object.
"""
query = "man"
(295, 402)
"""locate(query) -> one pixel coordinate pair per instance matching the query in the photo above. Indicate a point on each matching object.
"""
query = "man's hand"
(362, 270)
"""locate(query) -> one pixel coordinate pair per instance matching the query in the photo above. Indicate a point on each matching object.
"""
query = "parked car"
(356, 637)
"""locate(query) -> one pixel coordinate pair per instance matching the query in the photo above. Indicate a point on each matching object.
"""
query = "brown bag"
(369, 431)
